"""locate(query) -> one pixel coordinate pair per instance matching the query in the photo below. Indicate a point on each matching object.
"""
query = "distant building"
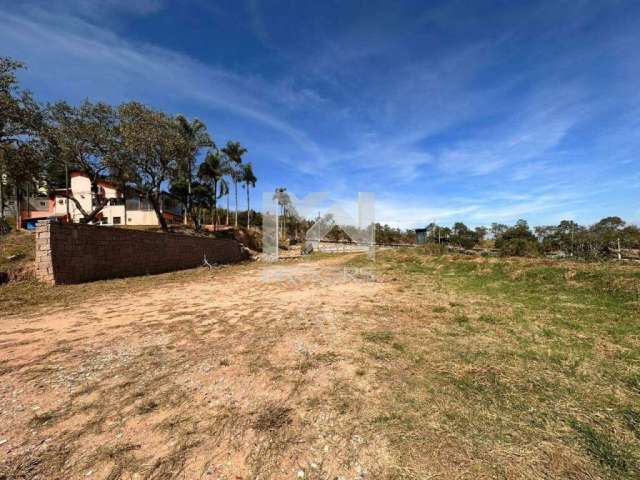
(133, 210)
(421, 235)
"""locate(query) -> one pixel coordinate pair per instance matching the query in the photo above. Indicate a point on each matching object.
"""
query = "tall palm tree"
(224, 190)
(234, 152)
(229, 168)
(249, 180)
(196, 137)
(211, 171)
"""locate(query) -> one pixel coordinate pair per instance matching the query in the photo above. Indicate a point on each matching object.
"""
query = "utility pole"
(279, 192)
(619, 250)
(572, 245)
(277, 232)
(1, 195)
(28, 201)
(66, 185)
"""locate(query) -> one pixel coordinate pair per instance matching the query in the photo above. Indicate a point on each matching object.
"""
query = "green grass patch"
(378, 337)
(611, 453)
(538, 342)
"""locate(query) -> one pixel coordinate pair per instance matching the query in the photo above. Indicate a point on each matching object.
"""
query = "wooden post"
(619, 250)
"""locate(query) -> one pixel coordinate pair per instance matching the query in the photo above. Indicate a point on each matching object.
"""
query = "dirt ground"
(247, 372)
(331, 367)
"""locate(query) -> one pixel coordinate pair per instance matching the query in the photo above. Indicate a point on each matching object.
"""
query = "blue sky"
(459, 110)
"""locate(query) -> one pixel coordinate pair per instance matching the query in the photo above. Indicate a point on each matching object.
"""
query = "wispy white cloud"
(99, 9)
(97, 62)
(479, 128)
(528, 133)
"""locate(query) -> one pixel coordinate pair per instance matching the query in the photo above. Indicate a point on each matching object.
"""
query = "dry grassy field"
(333, 367)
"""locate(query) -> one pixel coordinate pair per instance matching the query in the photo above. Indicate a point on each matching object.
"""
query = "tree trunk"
(619, 250)
(235, 188)
(1, 196)
(248, 209)
(86, 216)
(18, 209)
(155, 202)
(215, 205)
(196, 221)
(188, 207)
(227, 220)
(284, 224)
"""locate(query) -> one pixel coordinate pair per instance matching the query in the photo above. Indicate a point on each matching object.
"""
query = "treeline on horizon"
(141, 149)
(604, 239)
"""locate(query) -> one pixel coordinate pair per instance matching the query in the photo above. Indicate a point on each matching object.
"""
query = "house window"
(116, 220)
(60, 202)
(43, 204)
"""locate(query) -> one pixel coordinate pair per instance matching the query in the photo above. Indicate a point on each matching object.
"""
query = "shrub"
(5, 228)
(520, 247)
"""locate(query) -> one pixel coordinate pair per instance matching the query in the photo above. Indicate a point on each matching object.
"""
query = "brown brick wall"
(72, 253)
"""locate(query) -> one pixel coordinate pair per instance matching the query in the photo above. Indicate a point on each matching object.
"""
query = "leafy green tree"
(390, 235)
(519, 247)
(546, 235)
(153, 145)
(497, 229)
(211, 172)
(565, 235)
(463, 236)
(609, 233)
(435, 233)
(85, 139)
(518, 240)
(630, 236)
(195, 138)
(202, 200)
(21, 122)
(180, 190)
(21, 117)
(481, 233)
(234, 152)
(23, 165)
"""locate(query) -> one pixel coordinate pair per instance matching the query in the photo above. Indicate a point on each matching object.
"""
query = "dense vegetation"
(139, 148)
(606, 238)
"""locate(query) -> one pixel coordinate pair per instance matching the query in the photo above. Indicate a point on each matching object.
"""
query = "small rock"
(300, 473)
(88, 474)
(3, 441)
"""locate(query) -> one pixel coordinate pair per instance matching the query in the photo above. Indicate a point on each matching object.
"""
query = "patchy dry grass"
(16, 244)
(530, 371)
(17, 252)
(444, 367)
(26, 297)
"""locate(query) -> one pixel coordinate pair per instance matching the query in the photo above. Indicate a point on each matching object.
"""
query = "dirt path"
(251, 372)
